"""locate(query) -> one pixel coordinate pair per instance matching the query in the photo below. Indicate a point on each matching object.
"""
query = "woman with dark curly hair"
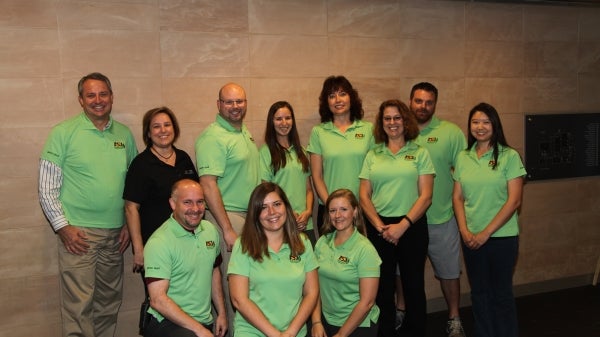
(339, 144)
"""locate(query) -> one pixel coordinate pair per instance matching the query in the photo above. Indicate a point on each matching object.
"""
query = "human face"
(96, 100)
(481, 128)
(342, 214)
(393, 124)
(273, 214)
(161, 130)
(232, 104)
(283, 122)
(188, 205)
(339, 102)
(423, 105)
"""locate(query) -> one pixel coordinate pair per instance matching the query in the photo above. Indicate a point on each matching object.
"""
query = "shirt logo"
(432, 140)
(295, 259)
(343, 260)
(210, 244)
(119, 145)
(409, 157)
(359, 136)
(491, 163)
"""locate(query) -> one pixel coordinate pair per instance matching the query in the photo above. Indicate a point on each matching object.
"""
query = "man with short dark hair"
(82, 174)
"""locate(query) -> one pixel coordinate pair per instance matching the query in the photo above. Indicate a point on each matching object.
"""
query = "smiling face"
(188, 204)
(161, 130)
(273, 213)
(341, 214)
(232, 104)
(339, 103)
(393, 124)
(283, 122)
(481, 128)
(96, 100)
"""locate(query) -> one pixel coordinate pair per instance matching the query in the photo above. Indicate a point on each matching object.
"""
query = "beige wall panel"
(204, 15)
(21, 148)
(126, 53)
(551, 59)
(430, 58)
(23, 212)
(74, 14)
(550, 23)
(549, 94)
(307, 17)
(589, 87)
(503, 93)
(589, 25)
(301, 93)
(494, 22)
(288, 56)
(494, 59)
(363, 18)
(189, 54)
(548, 198)
(28, 13)
(28, 102)
(432, 19)
(20, 260)
(19, 59)
(589, 57)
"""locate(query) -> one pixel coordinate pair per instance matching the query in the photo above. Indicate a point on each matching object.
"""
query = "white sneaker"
(454, 328)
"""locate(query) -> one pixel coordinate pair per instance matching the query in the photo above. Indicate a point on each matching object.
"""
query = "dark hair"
(148, 119)
(426, 86)
(93, 76)
(497, 132)
(278, 153)
(358, 220)
(411, 128)
(253, 239)
(333, 84)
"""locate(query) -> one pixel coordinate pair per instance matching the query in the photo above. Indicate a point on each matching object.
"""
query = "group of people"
(228, 245)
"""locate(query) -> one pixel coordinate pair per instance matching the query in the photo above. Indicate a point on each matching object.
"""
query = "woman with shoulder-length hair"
(348, 272)
(284, 161)
(488, 186)
(396, 187)
(339, 144)
(273, 279)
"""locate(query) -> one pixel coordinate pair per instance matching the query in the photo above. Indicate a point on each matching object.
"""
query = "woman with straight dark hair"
(273, 279)
(487, 194)
(285, 162)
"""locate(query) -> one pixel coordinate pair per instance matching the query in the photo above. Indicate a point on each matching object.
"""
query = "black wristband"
(409, 220)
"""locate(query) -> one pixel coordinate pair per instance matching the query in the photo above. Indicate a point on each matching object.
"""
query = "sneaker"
(399, 318)
(454, 328)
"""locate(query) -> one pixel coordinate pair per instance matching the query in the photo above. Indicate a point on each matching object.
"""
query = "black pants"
(409, 255)
(370, 331)
(167, 328)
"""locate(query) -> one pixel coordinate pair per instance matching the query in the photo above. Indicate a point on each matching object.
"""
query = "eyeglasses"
(232, 102)
(395, 119)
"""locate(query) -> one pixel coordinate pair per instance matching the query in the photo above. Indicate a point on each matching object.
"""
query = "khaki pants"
(91, 285)
(237, 220)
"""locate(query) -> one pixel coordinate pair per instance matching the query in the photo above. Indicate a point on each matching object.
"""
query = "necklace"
(164, 157)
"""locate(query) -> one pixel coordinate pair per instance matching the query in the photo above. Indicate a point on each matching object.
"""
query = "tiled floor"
(568, 312)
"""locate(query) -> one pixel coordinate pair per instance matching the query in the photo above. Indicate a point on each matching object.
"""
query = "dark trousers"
(490, 270)
(409, 255)
(369, 331)
(167, 328)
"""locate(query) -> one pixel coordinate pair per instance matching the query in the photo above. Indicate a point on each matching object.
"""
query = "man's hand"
(124, 239)
(230, 236)
(74, 240)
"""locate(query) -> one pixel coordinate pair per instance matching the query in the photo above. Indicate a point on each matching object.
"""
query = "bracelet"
(409, 220)
(317, 322)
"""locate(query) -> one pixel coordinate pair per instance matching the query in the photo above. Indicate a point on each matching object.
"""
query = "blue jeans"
(490, 270)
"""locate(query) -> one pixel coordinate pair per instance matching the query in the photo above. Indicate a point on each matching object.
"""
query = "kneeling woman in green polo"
(348, 272)
(273, 279)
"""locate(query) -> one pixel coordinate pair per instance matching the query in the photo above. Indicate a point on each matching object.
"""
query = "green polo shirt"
(340, 270)
(187, 261)
(275, 285)
(230, 155)
(444, 141)
(342, 153)
(93, 164)
(485, 190)
(394, 177)
(290, 178)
